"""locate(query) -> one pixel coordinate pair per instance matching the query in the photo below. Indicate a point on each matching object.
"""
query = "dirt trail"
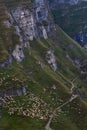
(72, 83)
(47, 127)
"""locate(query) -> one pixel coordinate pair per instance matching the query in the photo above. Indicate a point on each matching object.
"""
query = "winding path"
(47, 127)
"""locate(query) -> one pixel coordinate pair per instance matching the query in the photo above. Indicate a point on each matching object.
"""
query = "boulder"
(18, 53)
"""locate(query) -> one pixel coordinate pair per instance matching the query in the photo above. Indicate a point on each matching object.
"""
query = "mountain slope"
(53, 88)
(72, 19)
(50, 80)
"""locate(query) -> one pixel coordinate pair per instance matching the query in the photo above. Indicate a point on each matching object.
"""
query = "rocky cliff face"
(28, 23)
(32, 22)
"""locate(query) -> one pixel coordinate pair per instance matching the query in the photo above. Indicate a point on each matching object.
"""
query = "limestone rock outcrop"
(28, 23)
(51, 60)
(18, 53)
